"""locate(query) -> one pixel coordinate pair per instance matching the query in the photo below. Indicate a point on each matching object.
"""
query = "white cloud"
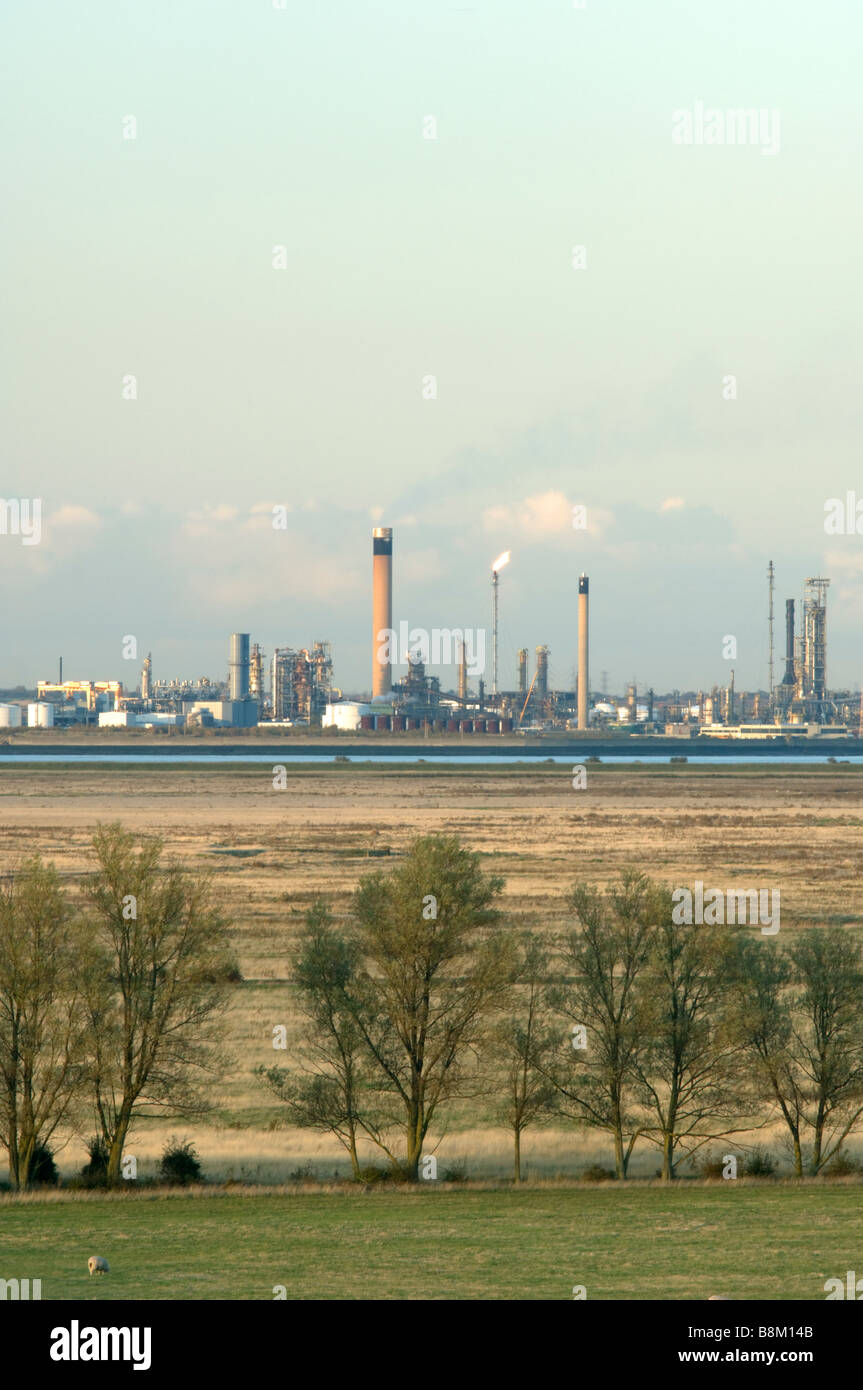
(543, 515)
(672, 504)
(72, 515)
(203, 522)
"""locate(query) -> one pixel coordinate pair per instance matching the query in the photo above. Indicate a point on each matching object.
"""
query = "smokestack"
(239, 666)
(462, 674)
(60, 681)
(382, 609)
(522, 671)
(788, 678)
(541, 674)
(583, 673)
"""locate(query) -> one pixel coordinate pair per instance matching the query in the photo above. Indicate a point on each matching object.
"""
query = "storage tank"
(40, 715)
(382, 721)
(367, 721)
(467, 726)
(10, 716)
(479, 726)
(506, 726)
(452, 726)
(398, 724)
(493, 726)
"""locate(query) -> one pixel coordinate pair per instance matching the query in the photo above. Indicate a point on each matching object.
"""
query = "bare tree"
(604, 957)
(42, 1022)
(798, 1016)
(157, 987)
(332, 1091)
(522, 1044)
(689, 1073)
(433, 974)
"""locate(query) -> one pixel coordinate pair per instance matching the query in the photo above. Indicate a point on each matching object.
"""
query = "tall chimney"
(541, 683)
(788, 678)
(239, 666)
(382, 609)
(522, 670)
(583, 673)
(462, 674)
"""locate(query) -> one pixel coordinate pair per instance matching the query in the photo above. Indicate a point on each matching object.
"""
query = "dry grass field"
(271, 853)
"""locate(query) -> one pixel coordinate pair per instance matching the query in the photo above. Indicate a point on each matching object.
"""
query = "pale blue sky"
(406, 257)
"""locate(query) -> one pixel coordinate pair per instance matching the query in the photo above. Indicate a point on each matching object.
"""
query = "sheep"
(97, 1264)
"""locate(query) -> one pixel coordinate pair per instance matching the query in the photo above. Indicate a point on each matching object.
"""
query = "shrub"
(456, 1172)
(180, 1164)
(303, 1173)
(596, 1173)
(842, 1165)
(710, 1166)
(43, 1169)
(95, 1171)
(372, 1174)
(759, 1164)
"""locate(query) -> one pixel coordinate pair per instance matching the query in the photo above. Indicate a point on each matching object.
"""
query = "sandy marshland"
(798, 827)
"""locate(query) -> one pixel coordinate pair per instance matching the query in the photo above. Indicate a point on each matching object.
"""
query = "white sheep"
(97, 1264)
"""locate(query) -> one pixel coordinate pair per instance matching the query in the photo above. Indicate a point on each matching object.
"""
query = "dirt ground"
(798, 828)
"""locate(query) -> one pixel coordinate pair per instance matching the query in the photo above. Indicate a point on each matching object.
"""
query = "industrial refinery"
(293, 687)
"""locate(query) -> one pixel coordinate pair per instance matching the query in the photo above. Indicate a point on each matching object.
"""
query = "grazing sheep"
(97, 1264)
(718, 1298)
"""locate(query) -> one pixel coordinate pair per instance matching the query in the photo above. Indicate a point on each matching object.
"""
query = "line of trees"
(627, 1023)
(110, 1002)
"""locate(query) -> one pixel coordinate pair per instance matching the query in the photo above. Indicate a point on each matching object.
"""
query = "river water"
(443, 757)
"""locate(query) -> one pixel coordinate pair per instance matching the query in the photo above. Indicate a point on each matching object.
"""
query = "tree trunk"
(668, 1156)
(619, 1155)
(517, 1155)
(118, 1141)
(355, 1163)
(798, 1156)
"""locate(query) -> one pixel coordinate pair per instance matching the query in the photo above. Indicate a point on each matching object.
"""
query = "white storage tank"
(10, 716)
(40, 715)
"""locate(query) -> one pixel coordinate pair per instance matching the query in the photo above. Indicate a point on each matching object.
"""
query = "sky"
(240, 206)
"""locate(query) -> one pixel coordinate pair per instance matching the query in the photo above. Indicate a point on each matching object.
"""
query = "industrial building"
(302, 683)
(302, 692)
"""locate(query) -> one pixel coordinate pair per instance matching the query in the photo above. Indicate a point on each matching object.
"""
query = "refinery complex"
(293, 687)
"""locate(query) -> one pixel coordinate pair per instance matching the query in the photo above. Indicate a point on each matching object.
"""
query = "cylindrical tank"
(382, 721)
(506, 726)
(439, 726)
(40, 715)
(367, 721)
(479, 726)
(493, 726)
(452, 726)
(467, 726)
(10, 716)
(398, 724)
(239, 666)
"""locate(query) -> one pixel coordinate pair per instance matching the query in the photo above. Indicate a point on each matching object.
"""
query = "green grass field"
(746, 1241)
